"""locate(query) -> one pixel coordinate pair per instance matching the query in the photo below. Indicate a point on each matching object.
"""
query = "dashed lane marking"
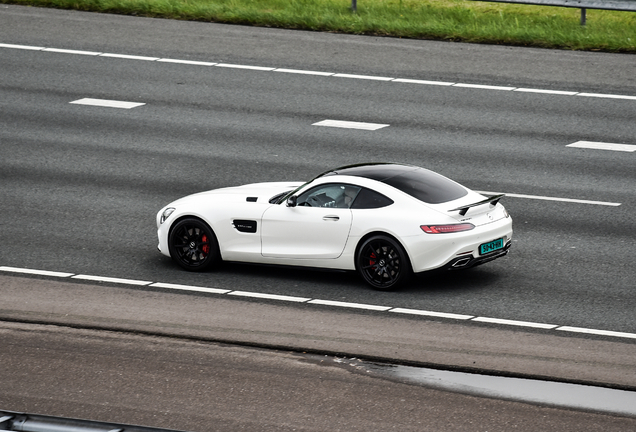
(319, 73)
(378, 308)
(547, 198)
(603, 146)
(350, 124)
(107, 103)
(111, 280)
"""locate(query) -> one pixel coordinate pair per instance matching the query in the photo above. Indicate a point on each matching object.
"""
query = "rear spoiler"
(493, 200)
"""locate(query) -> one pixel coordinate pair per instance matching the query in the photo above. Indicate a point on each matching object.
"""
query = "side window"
(329, 195)
(368, 199)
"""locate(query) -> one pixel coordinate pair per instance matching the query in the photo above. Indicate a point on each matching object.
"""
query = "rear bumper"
(468, 261)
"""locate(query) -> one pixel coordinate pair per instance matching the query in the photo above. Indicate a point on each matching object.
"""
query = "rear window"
(368, 199)
(425, 185)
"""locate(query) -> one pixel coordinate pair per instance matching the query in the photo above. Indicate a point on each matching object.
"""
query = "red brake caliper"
(206, 246)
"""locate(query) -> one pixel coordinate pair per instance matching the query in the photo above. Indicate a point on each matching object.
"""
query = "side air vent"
(246, 226)
(252, 199)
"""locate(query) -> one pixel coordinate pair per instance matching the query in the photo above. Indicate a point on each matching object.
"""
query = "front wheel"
(193, 245)
(382, 263)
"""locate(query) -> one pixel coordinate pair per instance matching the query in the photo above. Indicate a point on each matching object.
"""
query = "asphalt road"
(80, 185)
(199, 386)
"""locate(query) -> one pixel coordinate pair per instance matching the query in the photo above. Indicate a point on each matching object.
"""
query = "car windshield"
(425, 185)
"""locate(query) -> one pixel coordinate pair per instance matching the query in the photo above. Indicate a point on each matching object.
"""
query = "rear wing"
(493, 200)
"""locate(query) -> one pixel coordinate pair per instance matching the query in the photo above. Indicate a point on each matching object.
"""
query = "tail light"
(445, 229)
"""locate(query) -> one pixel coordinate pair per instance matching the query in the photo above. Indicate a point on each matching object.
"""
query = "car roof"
(423, 184)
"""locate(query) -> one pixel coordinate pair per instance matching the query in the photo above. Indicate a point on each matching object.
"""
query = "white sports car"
(386, 221)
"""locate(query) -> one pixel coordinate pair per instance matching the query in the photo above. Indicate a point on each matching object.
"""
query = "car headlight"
(166, 214)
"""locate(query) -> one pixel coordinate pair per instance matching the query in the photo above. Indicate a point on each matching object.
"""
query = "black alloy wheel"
(193, 245)
(382, 263)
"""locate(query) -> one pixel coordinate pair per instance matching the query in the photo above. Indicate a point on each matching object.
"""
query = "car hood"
(255, 192)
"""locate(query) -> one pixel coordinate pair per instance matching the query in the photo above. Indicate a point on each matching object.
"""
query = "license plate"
(491, 246)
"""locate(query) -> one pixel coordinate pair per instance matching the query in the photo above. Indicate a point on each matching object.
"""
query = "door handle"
(331, 218)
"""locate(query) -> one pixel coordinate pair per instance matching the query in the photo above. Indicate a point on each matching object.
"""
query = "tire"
(193, 245)
(383, 263)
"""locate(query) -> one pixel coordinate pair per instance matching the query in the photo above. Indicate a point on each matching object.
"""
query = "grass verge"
(453, 20)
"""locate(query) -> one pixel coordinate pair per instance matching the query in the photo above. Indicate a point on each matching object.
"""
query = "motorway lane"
(444, 61)
(81, 184)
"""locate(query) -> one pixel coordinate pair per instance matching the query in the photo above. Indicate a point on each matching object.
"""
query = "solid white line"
(597, 332)
(110, 279)
(235, 66)
(268, 296)
(35, 272)
(322, 302)
(424, 82)
(340, 75)
(188, 62)
(545, 198)
(365, 77)
(607, 96)
(350, 125)
(304, 72)
(67, 51)
(603, 146)
(514, 323)
(485, 87)
(350, 305)
(107, 103)
(190, 288)
(22, 47)
(431, 314)
(129, 57)
(555, 92)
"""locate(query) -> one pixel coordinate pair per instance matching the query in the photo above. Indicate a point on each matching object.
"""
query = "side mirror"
(291, 201)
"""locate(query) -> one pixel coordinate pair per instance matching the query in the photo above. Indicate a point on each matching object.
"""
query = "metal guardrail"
(13, 421)
(616, 5)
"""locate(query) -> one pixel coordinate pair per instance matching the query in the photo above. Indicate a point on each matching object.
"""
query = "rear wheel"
(193, 245)
(382, 263)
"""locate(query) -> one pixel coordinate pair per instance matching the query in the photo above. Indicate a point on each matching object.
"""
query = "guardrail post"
(583, 10)
(354, 6)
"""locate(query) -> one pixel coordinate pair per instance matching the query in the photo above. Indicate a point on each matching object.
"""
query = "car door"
(316, 228)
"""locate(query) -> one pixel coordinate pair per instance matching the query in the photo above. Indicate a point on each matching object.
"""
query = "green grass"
(455, 20)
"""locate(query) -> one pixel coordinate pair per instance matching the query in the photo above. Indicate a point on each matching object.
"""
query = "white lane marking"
(597, 332)
(423, 82)
(190, 288)
(22, 47)
(606, 96)
(514, 323)
(363, 77)
(320, 302)
(555, 92)
(67, 51)
(129, 57)
(350, 124)
(603, 146)
(35, 272)
(111, 280)
(304, 72)
(484, 87)
(350, 305)
(268, 296)
(340, 75)
(107, 103)
(188, 62)
(236, 66)
(431, 314)
(545, 198)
